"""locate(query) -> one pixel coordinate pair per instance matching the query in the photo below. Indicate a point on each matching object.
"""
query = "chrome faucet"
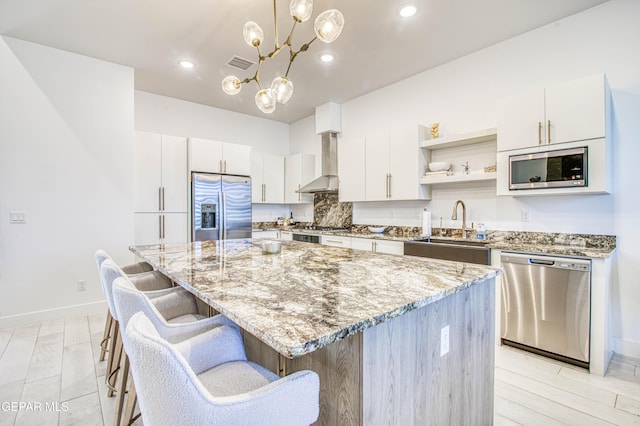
(454, 216)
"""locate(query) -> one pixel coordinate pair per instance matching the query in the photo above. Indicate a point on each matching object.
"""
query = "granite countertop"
(309, 295)
(559, 244)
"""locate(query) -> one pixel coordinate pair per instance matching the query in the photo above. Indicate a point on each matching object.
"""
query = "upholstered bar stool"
(173, 311)
(207, 380)
(150, 280)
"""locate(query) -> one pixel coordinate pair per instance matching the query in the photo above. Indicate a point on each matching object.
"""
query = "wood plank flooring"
(57, 363)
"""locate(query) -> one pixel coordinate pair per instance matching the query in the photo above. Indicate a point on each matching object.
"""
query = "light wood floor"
(56, 363)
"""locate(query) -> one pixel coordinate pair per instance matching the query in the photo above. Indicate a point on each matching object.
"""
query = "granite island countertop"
(309, 295)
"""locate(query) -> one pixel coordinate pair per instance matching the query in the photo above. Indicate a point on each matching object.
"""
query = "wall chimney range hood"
(328, 125)
(328, 182)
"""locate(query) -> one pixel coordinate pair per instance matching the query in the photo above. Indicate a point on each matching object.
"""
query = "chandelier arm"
(275, 27)
(293, 27)
(293, 54)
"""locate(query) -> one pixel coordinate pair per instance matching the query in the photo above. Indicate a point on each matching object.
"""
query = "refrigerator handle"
(223, 214)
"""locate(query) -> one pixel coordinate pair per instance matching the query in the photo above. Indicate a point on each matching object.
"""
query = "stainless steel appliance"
(459, 251)
(220, 207)
(306, 238)
(549, 169)
(546, 305)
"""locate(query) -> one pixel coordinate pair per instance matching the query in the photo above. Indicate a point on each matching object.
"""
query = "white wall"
(462, 95)
(66, 158)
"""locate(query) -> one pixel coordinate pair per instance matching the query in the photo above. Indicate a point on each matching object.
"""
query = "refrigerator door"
(206, 206)
(236, 210)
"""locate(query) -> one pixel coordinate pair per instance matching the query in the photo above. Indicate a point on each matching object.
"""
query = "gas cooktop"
(321, 229)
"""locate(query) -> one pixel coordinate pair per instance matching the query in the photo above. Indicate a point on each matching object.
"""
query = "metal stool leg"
(108, 325)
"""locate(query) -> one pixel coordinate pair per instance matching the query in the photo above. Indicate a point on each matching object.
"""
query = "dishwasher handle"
(545, 262)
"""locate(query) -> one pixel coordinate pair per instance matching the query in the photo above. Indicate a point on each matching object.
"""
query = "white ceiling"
(376, 47)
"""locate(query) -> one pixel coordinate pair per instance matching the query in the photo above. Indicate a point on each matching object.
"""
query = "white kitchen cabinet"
(562, 113)
(351, 169)
(377, 167)
(286, 235)
(267, 179)
(300, 169)
(157, 228)
(160, 173)
(211, 156)
(271, 234)
(378, 245)
(335, 241)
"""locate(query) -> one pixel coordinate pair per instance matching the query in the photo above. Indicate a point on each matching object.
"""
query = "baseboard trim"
(626, 347)
(52, 314)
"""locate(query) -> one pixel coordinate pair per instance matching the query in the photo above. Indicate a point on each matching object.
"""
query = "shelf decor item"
(435, 130)
(328, 26)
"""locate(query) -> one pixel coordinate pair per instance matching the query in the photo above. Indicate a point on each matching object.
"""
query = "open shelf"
(471, 177)
(477, 136)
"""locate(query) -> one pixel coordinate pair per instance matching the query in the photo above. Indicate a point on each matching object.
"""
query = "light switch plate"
(18, 217)
(444, 341)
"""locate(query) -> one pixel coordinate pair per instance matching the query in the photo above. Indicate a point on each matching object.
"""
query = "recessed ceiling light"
(186, 64)
(327, 57)
(407, 10)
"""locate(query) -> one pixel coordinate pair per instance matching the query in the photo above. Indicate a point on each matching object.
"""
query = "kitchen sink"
(457, 250)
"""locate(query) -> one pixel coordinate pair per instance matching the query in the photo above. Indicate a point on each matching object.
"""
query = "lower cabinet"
(157, 228)
(377, 245)
(267, 233)
(286, 235)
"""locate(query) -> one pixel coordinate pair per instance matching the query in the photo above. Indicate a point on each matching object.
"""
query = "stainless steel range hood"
(328, 182)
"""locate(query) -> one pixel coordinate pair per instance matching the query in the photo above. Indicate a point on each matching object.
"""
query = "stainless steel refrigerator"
(220, 207)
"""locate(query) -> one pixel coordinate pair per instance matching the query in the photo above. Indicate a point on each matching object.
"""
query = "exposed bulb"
(301, 9)
(282, 89)
(328, 25)
(231, 85)
(265, 101)
(252, 34)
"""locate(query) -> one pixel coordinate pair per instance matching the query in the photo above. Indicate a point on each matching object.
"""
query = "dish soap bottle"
(481, 232)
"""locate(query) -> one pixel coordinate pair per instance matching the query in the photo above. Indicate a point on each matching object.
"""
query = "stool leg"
(132, 399)
(115, 359)
(115, 330)
(122, 389)
(108, 325)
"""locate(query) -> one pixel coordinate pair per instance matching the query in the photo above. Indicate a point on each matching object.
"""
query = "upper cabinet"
(561, 113)
(219, 157)
(300, 169)
(267, 178)
(160, 173)
(381, 167)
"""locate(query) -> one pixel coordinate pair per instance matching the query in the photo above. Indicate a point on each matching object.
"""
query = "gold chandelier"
(328, 26)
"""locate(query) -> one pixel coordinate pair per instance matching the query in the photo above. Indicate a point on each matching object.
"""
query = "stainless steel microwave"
(549, 169)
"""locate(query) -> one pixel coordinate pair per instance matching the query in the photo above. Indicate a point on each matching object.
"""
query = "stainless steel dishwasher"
(546, 305)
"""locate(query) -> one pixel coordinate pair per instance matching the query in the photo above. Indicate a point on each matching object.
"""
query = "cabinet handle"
(159, 198)
(225, 166)
(163, 229)
(539, 133)
(374, 247)
(299, 194)
(548, 131)
(389, 184)
(334, 241)
(220, 166)
(163, 199)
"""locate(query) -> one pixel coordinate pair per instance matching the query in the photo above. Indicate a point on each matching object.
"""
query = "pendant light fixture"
(328, 26)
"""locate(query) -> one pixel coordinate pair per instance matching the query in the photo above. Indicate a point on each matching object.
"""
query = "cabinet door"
(236, 159)
(147, 174)
(299, 170)
(286, 235)
(389, 247)
(147, 228)
(351, 169)
(362, 244)
(404, 164)
(377, 167)
(273, 178)
(176, 228)
(521, 121)
(335, 241)
(576, 110)
(257, 172)
(205, 155)
(175, 181)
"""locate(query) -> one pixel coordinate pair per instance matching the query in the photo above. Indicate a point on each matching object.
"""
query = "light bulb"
(252, 34)
(328, 25)
(266, 101)
(407, 11)
(301, 9)
(282, 89)
(231, 85)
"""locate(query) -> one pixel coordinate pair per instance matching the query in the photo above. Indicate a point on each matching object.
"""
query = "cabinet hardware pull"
(264, 192)
(163, 227)
(539, 133)
(334, 241)
(299, 194)
(225, 166)
(159, 227)
(389, 185)
(548, 131)
(374, 246)
(159, 198)
(163, 199)
(220, 167)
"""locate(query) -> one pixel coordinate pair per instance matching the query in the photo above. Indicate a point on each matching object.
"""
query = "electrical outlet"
(18, 217)
(444, 341)
(526, 216)
(81, 285)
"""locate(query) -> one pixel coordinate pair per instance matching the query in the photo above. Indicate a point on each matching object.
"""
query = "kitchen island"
(395, 340)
